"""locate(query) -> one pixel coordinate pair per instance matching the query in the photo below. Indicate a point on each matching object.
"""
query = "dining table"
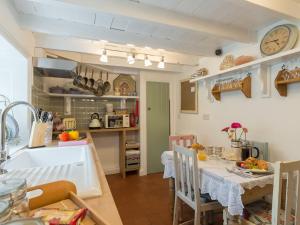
(218, 178)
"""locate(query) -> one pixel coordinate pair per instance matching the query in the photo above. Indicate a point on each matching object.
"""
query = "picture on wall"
(188, 96)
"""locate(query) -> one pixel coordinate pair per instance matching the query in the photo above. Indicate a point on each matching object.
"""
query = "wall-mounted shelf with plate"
(243, 85)
(281, 84)
(265, 61)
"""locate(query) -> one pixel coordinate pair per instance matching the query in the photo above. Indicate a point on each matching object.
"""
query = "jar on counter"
(13, 191)
(5, 211)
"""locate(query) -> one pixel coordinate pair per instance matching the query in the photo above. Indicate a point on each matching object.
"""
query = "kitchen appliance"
(116, 121)
(109, 108)
(248, 151)
(95, 121)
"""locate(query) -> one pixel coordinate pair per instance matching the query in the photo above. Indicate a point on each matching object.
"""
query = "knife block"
(37, 136)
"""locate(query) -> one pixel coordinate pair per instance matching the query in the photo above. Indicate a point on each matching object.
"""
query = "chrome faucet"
(3, 150)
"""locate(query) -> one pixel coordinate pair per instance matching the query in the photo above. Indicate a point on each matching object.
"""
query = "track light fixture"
(161, 64)
(131, 58)
(104, 57)
(147, 61)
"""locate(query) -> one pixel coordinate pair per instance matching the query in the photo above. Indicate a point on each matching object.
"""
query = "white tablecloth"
(221, 185)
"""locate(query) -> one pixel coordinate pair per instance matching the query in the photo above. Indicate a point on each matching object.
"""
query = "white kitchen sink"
(44, 165)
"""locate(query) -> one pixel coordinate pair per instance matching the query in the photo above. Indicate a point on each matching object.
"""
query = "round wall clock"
(279, 38)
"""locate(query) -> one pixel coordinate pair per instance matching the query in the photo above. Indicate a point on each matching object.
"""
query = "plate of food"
(256, 166)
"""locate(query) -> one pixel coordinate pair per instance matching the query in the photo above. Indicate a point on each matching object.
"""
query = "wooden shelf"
(103, 130)
(91, 96)
(268, 60)
(243, 85)
(281, 84)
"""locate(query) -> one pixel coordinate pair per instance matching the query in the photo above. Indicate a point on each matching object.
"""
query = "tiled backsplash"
(81, 108)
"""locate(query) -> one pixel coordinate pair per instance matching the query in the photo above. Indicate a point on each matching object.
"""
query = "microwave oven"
(116, 121)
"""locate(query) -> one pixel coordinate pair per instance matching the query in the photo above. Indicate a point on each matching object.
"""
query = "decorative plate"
(125, 84)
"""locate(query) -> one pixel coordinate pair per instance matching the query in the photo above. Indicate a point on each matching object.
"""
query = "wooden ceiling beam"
(92, 32)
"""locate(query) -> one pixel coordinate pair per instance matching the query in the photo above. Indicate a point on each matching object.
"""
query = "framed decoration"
(188, 96)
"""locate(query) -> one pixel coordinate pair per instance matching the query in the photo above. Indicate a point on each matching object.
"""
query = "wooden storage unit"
(242, 85)
(281, 84)
(122, 155)
(132, 155)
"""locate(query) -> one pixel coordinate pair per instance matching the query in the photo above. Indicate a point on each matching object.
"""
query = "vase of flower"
(236, 139)
(236, 144)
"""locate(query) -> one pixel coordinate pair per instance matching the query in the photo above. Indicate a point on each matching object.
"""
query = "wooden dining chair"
(187, 185)
(285, 208)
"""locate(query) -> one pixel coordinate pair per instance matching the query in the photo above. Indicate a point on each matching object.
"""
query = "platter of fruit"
(257, 166)
(71, 135)
(71, 138)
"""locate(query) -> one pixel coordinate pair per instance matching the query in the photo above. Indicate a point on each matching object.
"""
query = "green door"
(158, 124)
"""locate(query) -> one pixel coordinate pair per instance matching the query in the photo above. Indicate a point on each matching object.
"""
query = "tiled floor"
(141, 200)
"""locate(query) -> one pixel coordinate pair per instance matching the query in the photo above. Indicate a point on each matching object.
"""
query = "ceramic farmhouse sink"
(44, 165)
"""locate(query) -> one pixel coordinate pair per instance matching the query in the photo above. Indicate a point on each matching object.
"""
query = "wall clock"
(279, 38)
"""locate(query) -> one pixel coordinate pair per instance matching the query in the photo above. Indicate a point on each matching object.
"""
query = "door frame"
(152, 76)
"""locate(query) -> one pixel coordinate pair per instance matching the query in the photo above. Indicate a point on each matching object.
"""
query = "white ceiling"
(227, 12)
(195, 27)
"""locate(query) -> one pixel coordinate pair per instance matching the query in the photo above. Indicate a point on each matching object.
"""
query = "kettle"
(95, 121)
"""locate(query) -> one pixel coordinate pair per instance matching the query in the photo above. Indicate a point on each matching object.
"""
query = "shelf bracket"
(264, 73)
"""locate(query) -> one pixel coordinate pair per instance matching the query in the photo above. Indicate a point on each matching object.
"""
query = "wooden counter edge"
(103, 205)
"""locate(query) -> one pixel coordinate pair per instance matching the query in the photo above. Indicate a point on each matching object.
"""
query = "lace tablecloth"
(221, 185)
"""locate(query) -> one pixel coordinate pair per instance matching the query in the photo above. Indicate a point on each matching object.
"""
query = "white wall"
(16, 60)
(14, 79)
(274, 120)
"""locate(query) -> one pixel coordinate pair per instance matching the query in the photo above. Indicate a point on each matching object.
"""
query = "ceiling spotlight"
(161, 64)
(103, 57)
(147, 61)
(131, 58)
(130, 45)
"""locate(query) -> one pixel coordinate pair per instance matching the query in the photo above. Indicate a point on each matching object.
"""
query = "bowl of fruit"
(257, 166)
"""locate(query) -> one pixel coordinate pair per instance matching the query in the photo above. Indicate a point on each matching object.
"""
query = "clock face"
(280, 38)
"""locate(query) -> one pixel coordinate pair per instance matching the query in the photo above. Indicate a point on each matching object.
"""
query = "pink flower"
(236, 125)
(225, 129)
(245, 130)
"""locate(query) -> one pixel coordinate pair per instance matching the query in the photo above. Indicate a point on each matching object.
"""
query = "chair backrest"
(187, 176)
(289, 172)
(182, 140)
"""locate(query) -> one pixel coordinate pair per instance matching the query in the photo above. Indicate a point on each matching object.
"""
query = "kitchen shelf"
(268, 60)
(281, 84)
(91, 96)
(243, 85)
